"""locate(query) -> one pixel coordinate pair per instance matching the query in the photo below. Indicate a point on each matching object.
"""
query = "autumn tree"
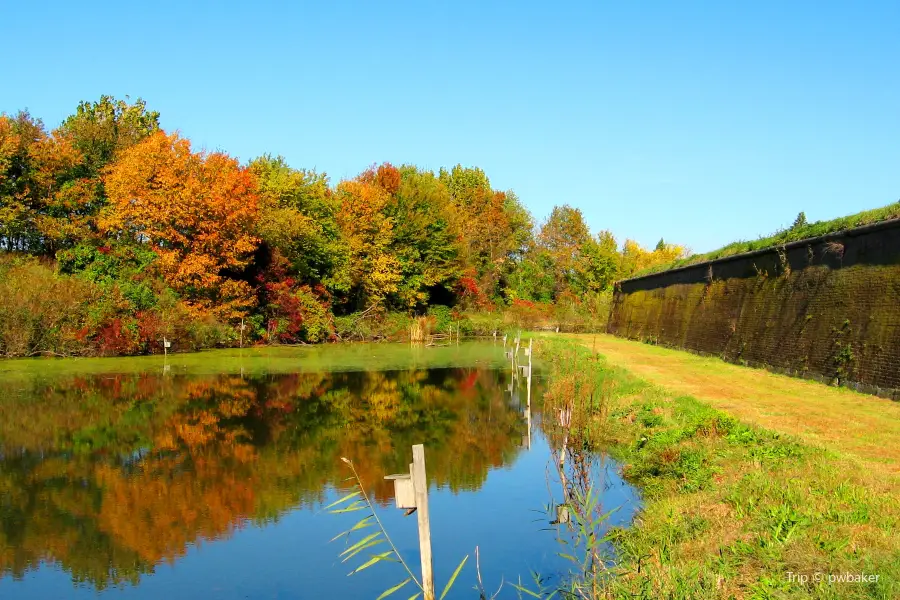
(495, 229)
(374, 273)
(43, 206)
(562, 237)
(636, 258)
(196, 210)
(18, 230)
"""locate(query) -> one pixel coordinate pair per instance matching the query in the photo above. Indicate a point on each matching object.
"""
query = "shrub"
(525, 314)
(373, 326)
(442, 318)
(481, 323)
(42, 312)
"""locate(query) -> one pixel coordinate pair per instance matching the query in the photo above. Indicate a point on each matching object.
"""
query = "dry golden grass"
(747, 476)
(837, 419)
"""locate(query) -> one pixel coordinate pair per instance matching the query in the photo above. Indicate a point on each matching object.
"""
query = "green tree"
(298, 217)
(563, 236)
(101, 129)
(598, 265)
(425, 241)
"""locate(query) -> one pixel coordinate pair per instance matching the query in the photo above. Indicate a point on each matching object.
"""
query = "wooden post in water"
(528, 407)
(420, 484)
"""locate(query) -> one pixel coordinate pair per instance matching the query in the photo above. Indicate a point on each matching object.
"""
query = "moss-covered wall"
(827, 308)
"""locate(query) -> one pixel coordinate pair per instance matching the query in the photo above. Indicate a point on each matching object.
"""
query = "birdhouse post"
(411, 493)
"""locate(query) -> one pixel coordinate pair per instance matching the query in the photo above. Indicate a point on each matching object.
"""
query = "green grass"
(730, 509)
(784, 236)
(267, 359)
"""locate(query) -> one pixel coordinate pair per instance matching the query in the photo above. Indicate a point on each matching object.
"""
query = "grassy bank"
(732, 509)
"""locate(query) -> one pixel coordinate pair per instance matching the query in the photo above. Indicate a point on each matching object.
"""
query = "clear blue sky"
(699, 122)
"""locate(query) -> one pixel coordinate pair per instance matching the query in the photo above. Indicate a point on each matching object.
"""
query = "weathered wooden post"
(411, 493)
(528, 380)
(166, 344)
(528, 414)
(242, 332)
(420, 484)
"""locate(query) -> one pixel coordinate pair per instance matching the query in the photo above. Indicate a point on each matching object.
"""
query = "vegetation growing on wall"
(143, 237)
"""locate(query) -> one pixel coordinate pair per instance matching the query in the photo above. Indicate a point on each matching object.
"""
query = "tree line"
(116, 234)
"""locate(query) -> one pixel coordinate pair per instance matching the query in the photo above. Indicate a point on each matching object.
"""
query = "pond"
(206, 475)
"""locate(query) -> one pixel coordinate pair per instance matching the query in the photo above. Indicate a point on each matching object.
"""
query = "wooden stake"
(528, 404)
(420, 484)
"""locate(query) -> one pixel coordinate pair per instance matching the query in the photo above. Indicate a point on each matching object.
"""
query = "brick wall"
(826, 308)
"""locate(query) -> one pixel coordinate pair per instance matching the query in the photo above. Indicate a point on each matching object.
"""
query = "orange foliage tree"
(196, 210)
(43, 206)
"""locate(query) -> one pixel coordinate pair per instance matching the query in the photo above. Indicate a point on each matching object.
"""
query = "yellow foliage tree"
(374, 272)
(636, 258)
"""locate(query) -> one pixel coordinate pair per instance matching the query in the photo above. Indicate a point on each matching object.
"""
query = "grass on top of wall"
(784, 236)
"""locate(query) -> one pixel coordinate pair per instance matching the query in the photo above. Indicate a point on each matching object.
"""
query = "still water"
(205, 476)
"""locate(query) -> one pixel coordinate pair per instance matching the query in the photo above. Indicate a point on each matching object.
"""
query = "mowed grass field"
(860, 426)
(755, 485)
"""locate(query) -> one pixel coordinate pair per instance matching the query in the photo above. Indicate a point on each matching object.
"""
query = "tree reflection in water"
(109, 476)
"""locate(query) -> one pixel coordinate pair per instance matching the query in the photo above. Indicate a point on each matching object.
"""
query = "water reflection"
(109, 476)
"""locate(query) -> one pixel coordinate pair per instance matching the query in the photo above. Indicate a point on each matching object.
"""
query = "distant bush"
(525, 314)
(481, 323)
(42, 312)
(442, 318)
(373, 326)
